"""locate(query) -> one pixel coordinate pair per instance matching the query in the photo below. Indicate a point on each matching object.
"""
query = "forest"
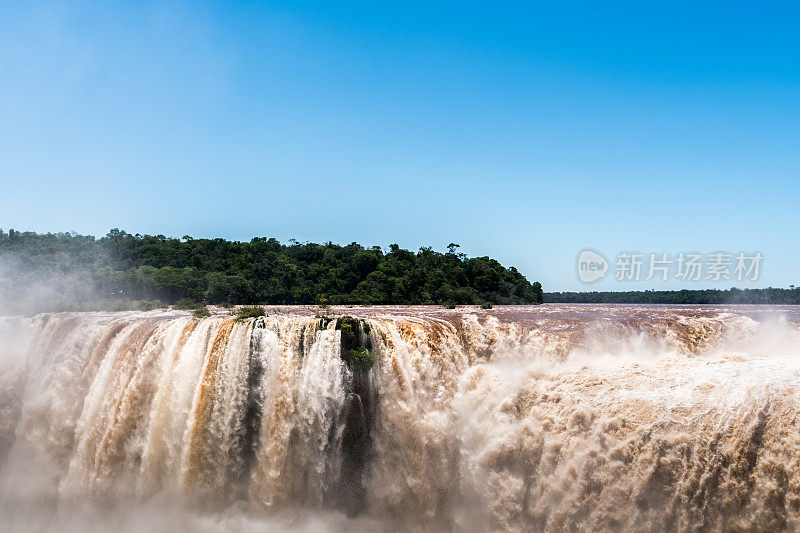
(772, 296)
(67, 270)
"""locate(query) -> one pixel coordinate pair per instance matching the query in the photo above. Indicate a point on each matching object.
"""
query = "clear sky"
(523, 131)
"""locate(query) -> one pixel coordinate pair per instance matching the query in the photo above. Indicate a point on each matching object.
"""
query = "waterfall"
(548, 418)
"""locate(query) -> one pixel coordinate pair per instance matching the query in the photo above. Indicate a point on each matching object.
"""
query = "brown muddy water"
(556, 417)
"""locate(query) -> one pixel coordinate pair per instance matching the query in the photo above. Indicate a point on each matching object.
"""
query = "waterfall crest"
(559, 417)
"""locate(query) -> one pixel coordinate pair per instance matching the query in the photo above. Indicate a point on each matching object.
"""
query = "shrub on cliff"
(201, 312)
(360, 359)
(250, 311)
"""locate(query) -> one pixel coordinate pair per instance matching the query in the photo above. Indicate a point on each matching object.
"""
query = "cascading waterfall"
(548, 418)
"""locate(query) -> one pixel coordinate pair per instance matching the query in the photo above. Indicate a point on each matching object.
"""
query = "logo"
(684, 266)
(591, 266)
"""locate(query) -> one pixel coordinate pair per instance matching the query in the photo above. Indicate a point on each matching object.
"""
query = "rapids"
(557, 417)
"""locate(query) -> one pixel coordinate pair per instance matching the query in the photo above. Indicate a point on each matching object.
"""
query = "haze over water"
(516, 418)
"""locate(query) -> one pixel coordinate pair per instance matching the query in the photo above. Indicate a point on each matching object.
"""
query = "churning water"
(549, 418)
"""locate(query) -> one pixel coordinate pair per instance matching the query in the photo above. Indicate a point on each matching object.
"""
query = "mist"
(53, 286)
(515, 418)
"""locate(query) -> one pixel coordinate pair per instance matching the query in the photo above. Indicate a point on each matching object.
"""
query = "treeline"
(262, 271)
(771, 296)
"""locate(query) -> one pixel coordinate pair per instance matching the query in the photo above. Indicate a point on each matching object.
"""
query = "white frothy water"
(549, 418)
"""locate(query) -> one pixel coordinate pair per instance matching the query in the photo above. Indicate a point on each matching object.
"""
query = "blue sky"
(526, 132)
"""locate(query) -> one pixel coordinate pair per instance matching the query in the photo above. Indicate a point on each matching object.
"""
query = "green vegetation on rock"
(243, 313)
(201, 312)
(360, 359)
(355, 343)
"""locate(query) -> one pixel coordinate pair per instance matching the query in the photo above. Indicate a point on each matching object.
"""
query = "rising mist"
(558, 417)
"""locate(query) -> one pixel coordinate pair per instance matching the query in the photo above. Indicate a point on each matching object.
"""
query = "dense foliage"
(708, 296)
(147, 267)
(243, 313)
(360, 359)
